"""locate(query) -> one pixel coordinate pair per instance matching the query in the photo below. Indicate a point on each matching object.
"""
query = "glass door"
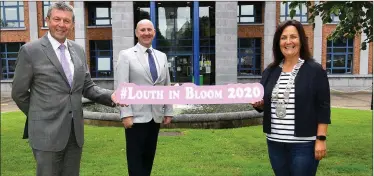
(180, 68)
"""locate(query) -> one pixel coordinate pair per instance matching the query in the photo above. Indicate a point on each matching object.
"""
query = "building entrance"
(180, 67)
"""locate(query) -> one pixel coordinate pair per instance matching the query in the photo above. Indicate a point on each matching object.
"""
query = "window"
(249, 12)
(174, 28)
(249, 56)
(8, 54)
(46, 5)
(175, 38)
(100, 13)
(206, 26)
(207, 41)
(142, 11)
(339, 56)
(12, 14)
(101, 62)
(301, 13)
(335, 19)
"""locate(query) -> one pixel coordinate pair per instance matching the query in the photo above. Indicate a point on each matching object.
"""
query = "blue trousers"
(292, 159)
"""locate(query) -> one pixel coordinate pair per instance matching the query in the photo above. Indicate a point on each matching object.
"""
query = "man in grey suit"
(50, 78)
(143, 66)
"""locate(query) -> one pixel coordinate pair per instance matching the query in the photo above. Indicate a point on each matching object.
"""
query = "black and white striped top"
(282, 129)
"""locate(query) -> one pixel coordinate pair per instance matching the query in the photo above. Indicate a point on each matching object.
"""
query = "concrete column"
(269, 30)
(226, 42)
(317, 41)
(80, 27)
(122, 30)
(364, 57)
(33, 20)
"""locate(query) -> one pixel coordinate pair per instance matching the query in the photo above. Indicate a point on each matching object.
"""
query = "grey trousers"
(61, 163)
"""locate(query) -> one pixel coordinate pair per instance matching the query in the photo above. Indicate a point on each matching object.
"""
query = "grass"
(213, 152)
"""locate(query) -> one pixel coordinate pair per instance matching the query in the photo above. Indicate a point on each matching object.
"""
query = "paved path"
(351, 100)
(7, 104)
(346, 100)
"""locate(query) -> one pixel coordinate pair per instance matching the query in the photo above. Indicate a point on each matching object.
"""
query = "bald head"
(144, 21)
(145, 32)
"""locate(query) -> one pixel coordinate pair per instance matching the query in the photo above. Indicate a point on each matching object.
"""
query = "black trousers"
(141, 143)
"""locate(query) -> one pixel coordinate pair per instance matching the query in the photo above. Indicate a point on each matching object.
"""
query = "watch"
(322, 138)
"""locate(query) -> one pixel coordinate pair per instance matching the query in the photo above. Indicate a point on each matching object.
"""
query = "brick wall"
(356, 54)
(18, 35)
(327, 29)
(310, 34)
(39, 7)
(370, 58)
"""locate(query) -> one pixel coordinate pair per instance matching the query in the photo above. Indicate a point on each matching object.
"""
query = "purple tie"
(65, 64)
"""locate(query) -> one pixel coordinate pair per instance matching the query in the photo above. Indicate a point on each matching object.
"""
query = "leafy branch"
(355, 17)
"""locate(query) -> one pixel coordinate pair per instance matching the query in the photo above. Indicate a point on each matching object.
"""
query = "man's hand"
(127, 122)
(115, 101)
(167, 120)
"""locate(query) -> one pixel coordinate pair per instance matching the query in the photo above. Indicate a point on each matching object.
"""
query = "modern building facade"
(227, 42)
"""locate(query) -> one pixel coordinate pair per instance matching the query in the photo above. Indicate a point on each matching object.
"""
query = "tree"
(355, 17)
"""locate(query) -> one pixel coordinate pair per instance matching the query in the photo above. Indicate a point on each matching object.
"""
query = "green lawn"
(240, 151)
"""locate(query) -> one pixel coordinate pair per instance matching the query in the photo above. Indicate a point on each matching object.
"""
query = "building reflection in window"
(174, 37)
(207, 41)
(141, 11)
(249, 56)
(99, 13)
(174, 23)
(339, 56)
(101, 62)
(8, 55)
(11, 14)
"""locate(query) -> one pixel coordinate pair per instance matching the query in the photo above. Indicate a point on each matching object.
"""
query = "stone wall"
(6, 88)
(351, 83)
(226, 42)
(106, 83)
(122, 29)
(340, 83)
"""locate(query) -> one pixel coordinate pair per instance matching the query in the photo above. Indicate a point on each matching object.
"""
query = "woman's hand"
(259, 104)
(320, 149)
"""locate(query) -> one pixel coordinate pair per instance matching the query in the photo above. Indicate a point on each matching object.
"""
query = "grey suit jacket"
(132, 67)
(41, 90)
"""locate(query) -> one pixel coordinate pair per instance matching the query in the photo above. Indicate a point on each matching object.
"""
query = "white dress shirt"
(55, 45)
